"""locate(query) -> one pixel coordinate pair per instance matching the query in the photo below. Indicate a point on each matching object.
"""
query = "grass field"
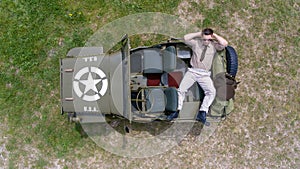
(262, 132)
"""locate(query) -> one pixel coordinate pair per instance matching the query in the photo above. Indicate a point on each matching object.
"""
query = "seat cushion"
(171, 99)
(153, 79)
(155, 100)
(174, 79)
(152, 61)
(136, 62)
(169, 58)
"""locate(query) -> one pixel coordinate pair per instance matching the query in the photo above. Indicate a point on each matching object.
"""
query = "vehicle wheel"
(232, 61)
(71, 117)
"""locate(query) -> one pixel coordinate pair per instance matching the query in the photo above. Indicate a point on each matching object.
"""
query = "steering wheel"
(144, 100)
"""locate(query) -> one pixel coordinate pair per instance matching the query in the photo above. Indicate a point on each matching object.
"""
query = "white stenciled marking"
(90, 84)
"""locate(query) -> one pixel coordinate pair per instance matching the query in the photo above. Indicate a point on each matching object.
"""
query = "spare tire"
(232, 61)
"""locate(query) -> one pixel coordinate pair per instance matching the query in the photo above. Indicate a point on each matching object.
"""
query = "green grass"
(30, 75)
(35, 34)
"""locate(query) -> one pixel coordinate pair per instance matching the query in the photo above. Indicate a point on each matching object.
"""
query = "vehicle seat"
(157, 61)
(136, 62)
(155, 99)
(172, 79)
(153, 79)
(160, 100)
(152, 61)
(171, 99)
(169, 59)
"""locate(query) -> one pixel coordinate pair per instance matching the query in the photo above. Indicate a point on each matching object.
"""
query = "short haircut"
(207, 31)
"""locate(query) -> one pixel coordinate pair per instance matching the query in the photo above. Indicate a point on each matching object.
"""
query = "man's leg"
(210, 92)
(187, 81)
(207, 85)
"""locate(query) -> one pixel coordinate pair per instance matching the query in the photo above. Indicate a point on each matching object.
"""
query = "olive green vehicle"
(138, 84)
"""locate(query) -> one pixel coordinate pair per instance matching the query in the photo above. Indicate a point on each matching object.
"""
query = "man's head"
(207, 35)
(207, 31)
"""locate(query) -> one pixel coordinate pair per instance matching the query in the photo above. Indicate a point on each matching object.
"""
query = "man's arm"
(220, 39)
(191, 36)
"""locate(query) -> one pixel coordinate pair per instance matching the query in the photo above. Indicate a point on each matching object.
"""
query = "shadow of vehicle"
(137, 129)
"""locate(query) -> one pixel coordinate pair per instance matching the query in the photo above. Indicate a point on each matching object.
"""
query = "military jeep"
(138, 84)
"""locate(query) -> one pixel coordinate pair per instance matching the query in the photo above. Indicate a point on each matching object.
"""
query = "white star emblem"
(90, 83)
